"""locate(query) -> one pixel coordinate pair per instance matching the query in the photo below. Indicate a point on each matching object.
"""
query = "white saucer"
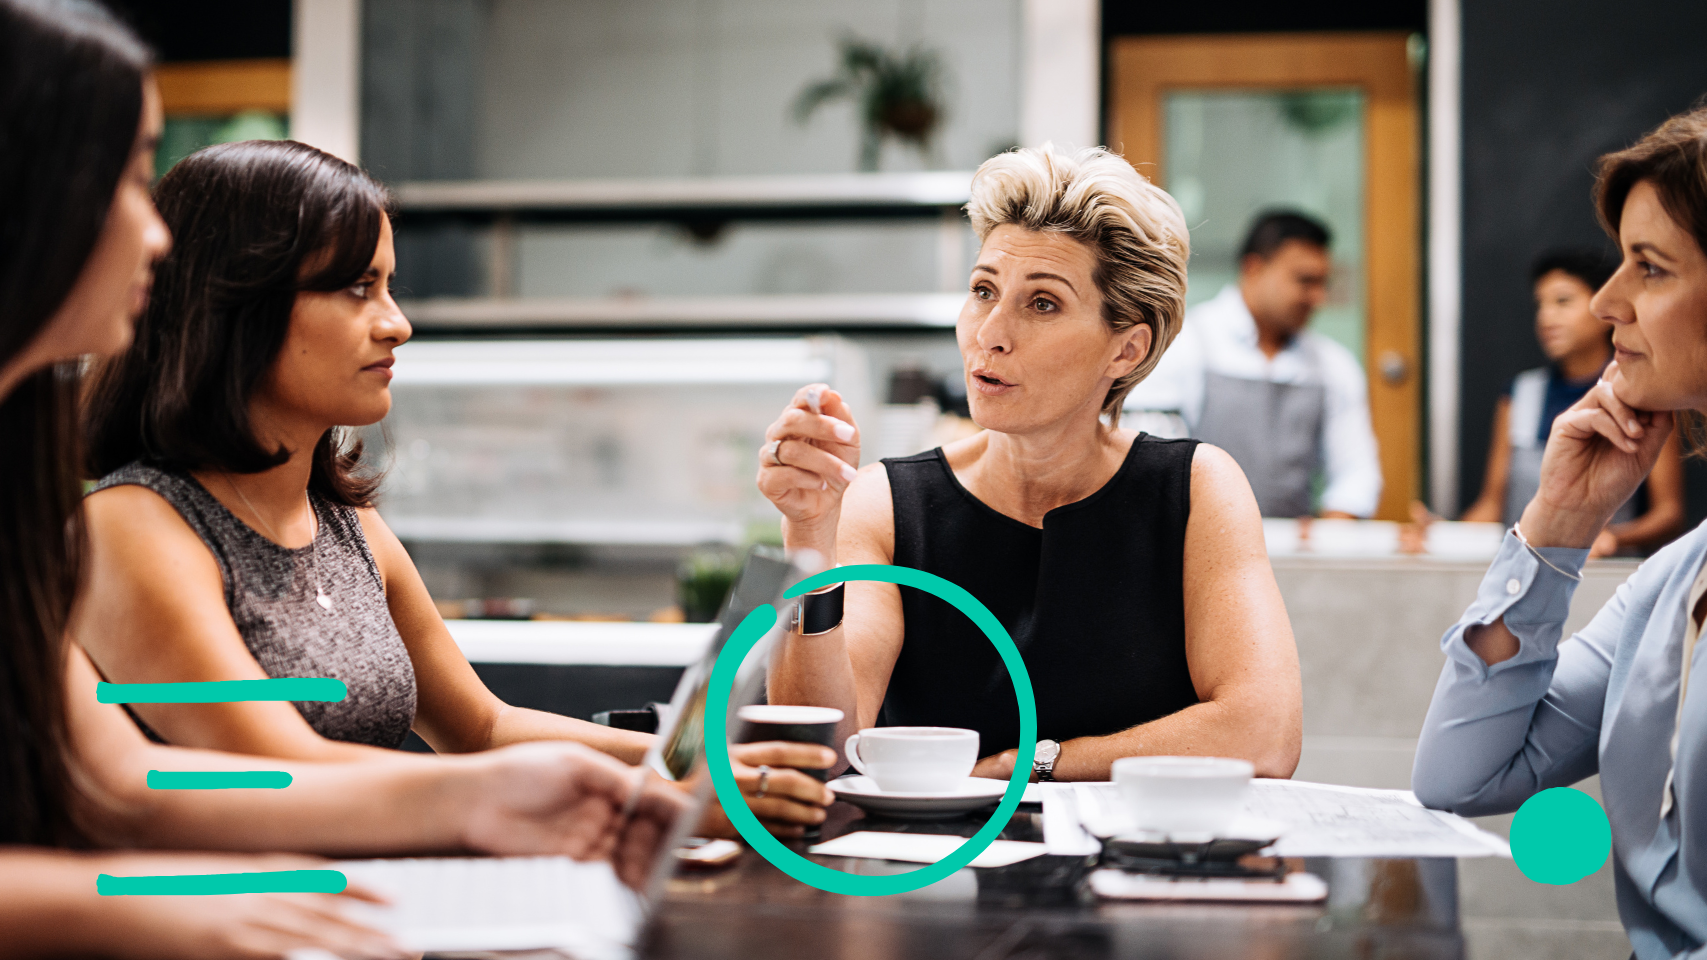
(972, 794)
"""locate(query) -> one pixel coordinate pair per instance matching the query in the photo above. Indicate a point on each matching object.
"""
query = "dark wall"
(184, 30)
(1132, 17)
(1548, 86)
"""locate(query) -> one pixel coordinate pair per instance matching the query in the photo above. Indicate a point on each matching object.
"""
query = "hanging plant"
(899, 95)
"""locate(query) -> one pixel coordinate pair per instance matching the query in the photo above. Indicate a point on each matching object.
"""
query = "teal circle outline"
(754, 627)
(1559, 832)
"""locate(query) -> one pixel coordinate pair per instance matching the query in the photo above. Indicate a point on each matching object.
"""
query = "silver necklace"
(320, 596)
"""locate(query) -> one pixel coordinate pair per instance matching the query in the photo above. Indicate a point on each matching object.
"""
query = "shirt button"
(1512, 586)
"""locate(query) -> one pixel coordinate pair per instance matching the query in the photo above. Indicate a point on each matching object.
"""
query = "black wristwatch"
(1043, 764)
(819, 612)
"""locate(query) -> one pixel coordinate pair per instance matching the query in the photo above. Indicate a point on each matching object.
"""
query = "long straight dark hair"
(71, 81)
(257, 222)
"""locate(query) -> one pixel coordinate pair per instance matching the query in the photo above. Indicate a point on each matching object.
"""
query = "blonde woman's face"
(1036, 349)
(1657, 304)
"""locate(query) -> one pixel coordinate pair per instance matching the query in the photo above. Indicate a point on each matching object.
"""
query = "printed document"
(1313, 820)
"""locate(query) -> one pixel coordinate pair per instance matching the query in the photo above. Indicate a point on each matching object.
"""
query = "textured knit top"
(272, 593)
(1095, 601)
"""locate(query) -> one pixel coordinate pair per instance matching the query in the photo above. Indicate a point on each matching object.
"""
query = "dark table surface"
(1387, 909)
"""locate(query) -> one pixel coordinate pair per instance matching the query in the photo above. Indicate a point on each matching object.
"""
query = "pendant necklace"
(320, 596)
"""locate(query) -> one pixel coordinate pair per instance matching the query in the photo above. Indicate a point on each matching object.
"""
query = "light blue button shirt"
(1603, 701)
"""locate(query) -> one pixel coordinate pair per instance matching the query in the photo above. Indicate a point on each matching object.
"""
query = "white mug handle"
(851, 748)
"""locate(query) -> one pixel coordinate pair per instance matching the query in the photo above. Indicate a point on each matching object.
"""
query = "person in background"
(1578, 346)
(1246, 374)
(78, 239)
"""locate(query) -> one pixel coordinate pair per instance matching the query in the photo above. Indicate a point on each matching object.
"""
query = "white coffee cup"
(914, 759)
(1184, 797)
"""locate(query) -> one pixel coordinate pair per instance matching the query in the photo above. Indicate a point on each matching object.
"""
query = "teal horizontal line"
(224, 691)
(218, 780)
(215, 884)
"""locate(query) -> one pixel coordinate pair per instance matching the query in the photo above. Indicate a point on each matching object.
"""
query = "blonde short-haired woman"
(1130, 570)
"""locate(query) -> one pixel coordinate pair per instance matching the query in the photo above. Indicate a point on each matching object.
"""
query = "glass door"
(1233, 155)
(1325, 124)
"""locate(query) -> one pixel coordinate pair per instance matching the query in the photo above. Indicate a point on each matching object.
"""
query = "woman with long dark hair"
(78, 237)
(232, 533)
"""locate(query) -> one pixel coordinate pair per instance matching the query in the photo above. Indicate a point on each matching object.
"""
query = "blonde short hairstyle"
(1133, 227)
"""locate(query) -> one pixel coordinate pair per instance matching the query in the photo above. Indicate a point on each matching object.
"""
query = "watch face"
(1048, 750)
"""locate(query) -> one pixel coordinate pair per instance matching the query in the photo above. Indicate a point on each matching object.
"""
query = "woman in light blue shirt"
(1518, 711)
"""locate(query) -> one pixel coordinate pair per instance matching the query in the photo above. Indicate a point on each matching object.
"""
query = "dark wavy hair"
(71, 91)
(1674, 159)
(254, 223)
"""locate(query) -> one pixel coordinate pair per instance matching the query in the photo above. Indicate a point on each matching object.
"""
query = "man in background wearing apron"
(1290, 405)
(1578, 347)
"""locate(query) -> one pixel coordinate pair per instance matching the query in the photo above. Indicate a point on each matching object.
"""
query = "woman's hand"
(563, 798)
(642, 835)
(791, 800)
(1597, 454)
(253, 926)
(811, 454)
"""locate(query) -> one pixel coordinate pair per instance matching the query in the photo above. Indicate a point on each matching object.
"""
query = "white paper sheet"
(1326, 820)
(1063, 828)
(1320, 820)
(924, 848)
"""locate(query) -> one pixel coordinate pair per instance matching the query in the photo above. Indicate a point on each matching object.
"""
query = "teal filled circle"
(1560, 836)
(830, 880)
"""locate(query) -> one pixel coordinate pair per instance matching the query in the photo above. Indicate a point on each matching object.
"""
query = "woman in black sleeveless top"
(1122, 544)
(1129, 570)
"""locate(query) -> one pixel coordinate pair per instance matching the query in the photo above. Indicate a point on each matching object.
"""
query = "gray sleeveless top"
(271, 593)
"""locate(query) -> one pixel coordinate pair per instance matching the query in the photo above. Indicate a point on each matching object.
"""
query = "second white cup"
(1183, 796)
(914, 759)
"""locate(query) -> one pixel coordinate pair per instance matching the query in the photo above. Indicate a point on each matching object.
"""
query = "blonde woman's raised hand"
(1597, 454)
(810, 455)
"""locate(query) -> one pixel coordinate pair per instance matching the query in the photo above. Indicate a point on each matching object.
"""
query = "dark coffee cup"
(764, 722)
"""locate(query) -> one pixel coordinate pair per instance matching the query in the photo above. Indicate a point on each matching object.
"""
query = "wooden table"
(1386, 909)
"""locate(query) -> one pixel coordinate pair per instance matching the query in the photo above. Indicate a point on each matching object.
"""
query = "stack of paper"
(1317, 820)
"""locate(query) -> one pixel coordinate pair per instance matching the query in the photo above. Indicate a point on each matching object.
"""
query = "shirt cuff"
(1533, 598)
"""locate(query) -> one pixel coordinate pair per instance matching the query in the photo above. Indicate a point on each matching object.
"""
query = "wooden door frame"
(224, 87)
(1142, 70)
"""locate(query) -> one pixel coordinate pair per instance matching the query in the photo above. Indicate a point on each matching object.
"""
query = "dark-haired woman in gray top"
(231, 536)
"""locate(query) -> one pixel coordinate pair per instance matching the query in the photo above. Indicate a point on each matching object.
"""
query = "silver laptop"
(479, 904)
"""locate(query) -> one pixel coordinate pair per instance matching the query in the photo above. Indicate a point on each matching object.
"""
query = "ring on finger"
(764, 782)
(773, 450)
